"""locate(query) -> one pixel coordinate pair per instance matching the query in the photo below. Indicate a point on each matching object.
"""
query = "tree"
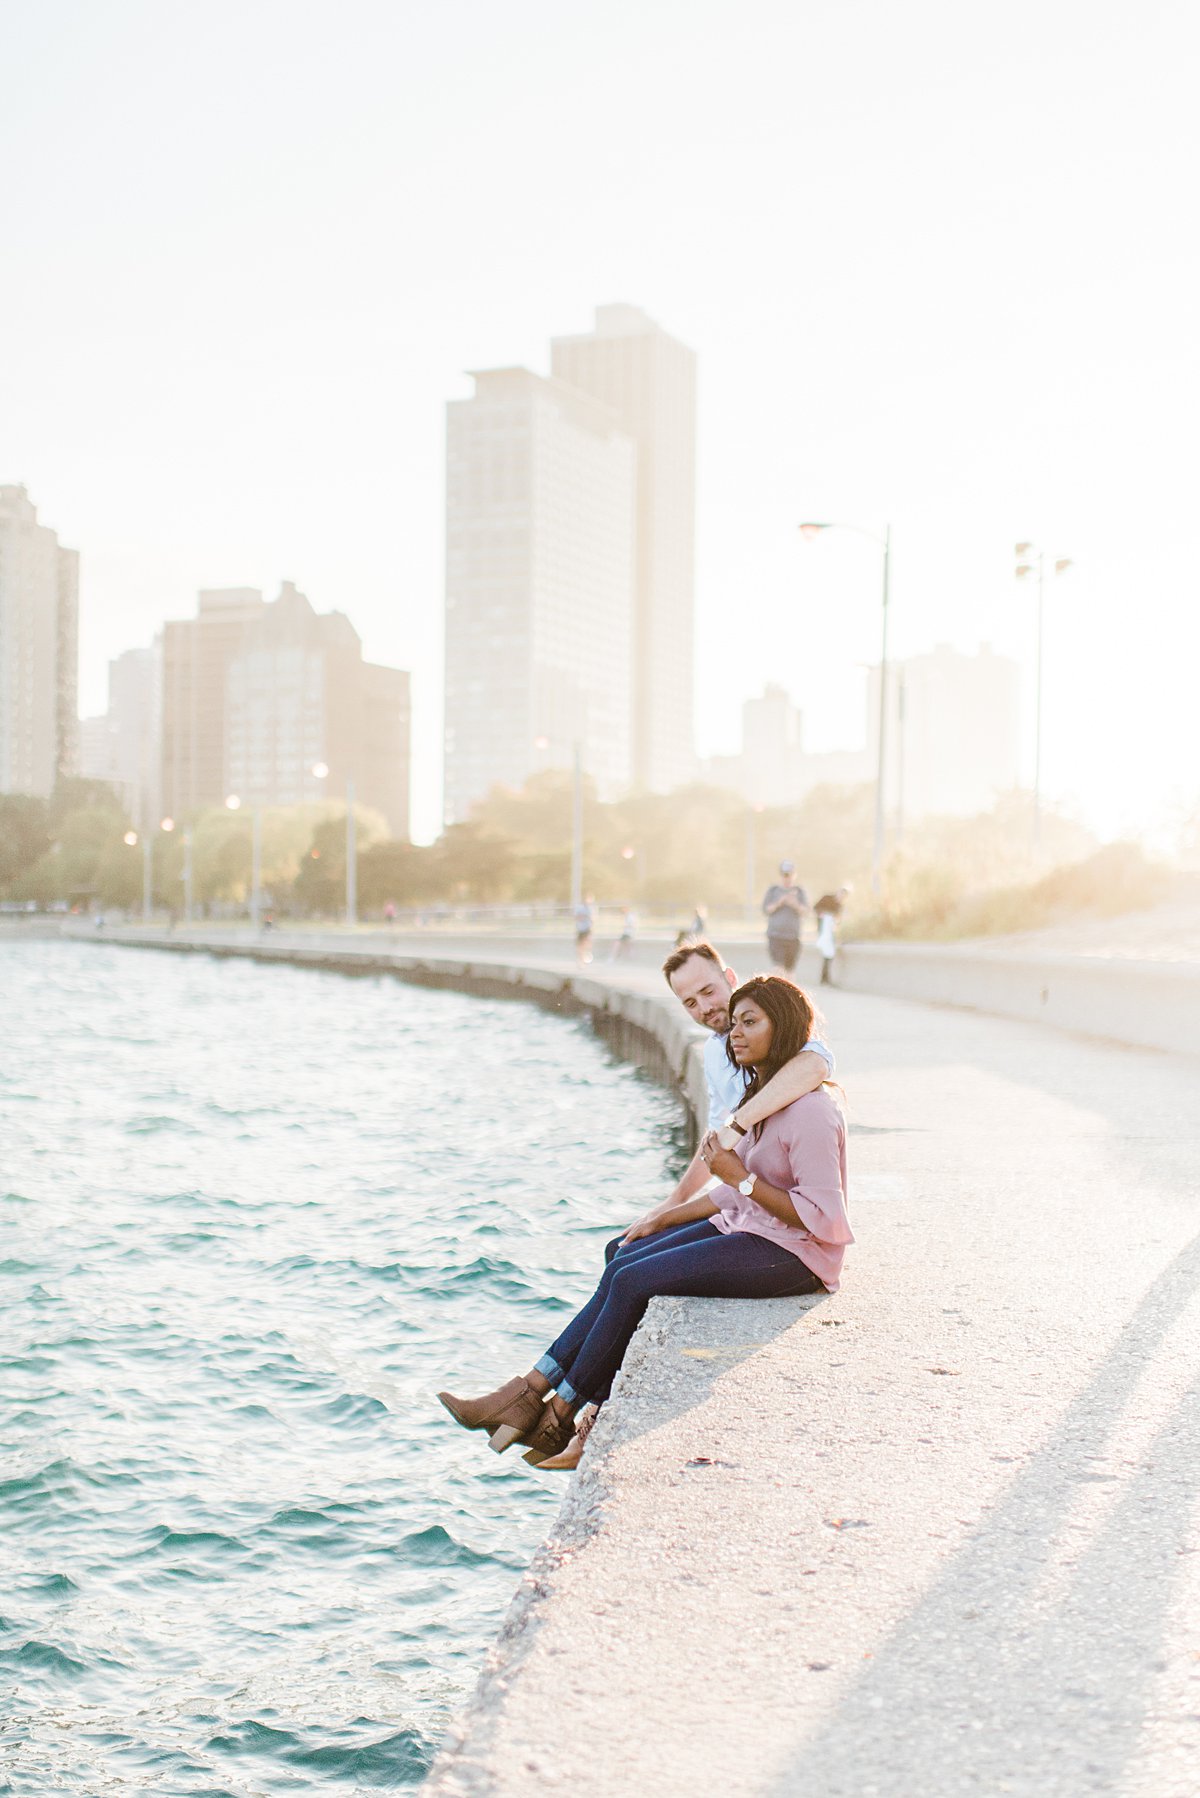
(24, 834)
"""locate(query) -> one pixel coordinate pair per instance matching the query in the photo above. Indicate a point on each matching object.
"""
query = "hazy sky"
(939, 262)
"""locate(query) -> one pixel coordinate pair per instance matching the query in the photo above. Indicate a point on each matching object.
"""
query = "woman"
(777, 1227)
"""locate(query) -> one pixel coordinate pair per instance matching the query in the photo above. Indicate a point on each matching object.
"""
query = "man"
(785, 905)
(702, 983)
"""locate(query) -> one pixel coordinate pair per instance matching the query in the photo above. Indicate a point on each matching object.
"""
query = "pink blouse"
(802, 1151)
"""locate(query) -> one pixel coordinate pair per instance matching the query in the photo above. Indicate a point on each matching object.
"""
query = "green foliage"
(25, 835)
(936, 902)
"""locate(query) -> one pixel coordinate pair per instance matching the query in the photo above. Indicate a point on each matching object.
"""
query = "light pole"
(577, 827)
(810, 531)
(1031, 559)
(167, 824)
(752, 858)
(320, 771)
(233, 802)
(187, 873)
(351, 857)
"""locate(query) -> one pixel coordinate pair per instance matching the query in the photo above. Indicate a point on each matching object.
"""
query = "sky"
(940, 265)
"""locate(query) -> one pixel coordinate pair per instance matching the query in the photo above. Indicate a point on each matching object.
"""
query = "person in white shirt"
(702, 983)
(704, 988)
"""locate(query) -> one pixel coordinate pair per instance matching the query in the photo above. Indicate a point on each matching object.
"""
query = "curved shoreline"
(871, 1542)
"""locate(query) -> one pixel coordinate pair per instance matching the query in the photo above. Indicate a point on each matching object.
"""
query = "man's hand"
(722, 1162)
(724, 1138)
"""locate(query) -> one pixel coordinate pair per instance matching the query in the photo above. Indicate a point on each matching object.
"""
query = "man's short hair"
(695, 945)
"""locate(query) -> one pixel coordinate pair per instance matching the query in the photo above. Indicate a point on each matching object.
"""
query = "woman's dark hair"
(791, 1013)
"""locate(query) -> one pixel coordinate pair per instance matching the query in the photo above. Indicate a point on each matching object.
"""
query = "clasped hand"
(720, 1161)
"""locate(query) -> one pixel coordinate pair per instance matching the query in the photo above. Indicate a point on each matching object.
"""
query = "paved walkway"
(937, 1535)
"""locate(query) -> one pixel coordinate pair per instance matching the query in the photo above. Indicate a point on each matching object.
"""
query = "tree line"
(699, 846)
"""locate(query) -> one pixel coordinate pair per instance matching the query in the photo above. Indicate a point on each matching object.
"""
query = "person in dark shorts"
(785, 904)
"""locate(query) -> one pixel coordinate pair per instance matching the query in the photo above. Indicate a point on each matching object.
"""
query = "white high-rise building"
(540, 581)
(39, 652)
(648, 380)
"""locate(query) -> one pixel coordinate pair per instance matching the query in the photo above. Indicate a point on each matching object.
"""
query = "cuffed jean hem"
(567, 1393)
(550, 1370)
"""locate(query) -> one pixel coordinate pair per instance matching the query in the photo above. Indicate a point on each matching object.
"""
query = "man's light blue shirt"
(727, 1083)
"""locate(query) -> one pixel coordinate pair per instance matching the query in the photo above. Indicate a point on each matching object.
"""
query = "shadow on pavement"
(989, 1685)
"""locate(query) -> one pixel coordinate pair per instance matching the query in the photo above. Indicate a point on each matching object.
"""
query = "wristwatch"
(746, 1186)
(731, 1123)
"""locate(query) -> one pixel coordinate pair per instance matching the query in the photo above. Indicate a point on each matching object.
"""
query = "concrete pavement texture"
(935, 1535)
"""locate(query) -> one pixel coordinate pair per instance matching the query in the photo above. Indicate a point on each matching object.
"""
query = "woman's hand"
(649, 1224)
(721, 1162)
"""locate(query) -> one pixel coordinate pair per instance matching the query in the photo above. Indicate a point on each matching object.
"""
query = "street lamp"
(187, 874)
(542, 743)
(320, 771)
(752, 817)
(233, 802)
(167, 824)
(809, 532)
(1030, 560)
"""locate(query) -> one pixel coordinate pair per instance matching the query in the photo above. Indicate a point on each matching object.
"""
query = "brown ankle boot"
(513, 1408)
(549, 1436)
(573, 1453)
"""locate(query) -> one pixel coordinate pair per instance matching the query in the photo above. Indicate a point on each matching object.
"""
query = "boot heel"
(504, 1437)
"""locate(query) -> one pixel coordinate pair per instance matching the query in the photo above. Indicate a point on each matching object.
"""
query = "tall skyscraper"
(39, 650)
(648, 381)
(256, 696)
(540, 577)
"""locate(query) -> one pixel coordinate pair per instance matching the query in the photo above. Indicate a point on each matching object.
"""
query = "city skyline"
(979, 346)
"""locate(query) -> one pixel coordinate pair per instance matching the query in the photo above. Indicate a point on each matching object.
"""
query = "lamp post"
(167, 824)
(752, 858)
(351, 857)
(541, 744)
(233, 802)
(320, 771)
(577, 826)
(187, 873)
(809, 531)
(1029, 560)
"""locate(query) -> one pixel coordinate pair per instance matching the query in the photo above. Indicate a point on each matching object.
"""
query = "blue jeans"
(689, 1261)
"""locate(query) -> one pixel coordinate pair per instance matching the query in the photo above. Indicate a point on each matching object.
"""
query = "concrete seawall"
(1153, 1003)
(935, 1534)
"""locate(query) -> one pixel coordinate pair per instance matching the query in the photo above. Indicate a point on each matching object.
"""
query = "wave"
(401, 1758)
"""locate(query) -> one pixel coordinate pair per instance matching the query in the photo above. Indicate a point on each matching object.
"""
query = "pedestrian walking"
(785, 904)
(623, 946)
(585, 924)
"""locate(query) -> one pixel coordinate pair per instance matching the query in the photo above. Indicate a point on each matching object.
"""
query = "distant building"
(540, 543)
(953, 742)
(39, 650)
(256, 696)
(96, 761)
(196, 653)
(135, 723)
(647, 379)
(121, 745)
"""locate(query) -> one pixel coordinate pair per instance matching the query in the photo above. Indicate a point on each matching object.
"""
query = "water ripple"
(241, 1550)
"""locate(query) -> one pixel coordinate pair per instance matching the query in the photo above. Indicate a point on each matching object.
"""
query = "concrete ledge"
(1154, 1004)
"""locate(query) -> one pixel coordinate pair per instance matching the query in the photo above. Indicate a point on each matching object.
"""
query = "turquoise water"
(250, 1217)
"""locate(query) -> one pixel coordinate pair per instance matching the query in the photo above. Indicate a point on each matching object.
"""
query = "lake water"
(250, 1218)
